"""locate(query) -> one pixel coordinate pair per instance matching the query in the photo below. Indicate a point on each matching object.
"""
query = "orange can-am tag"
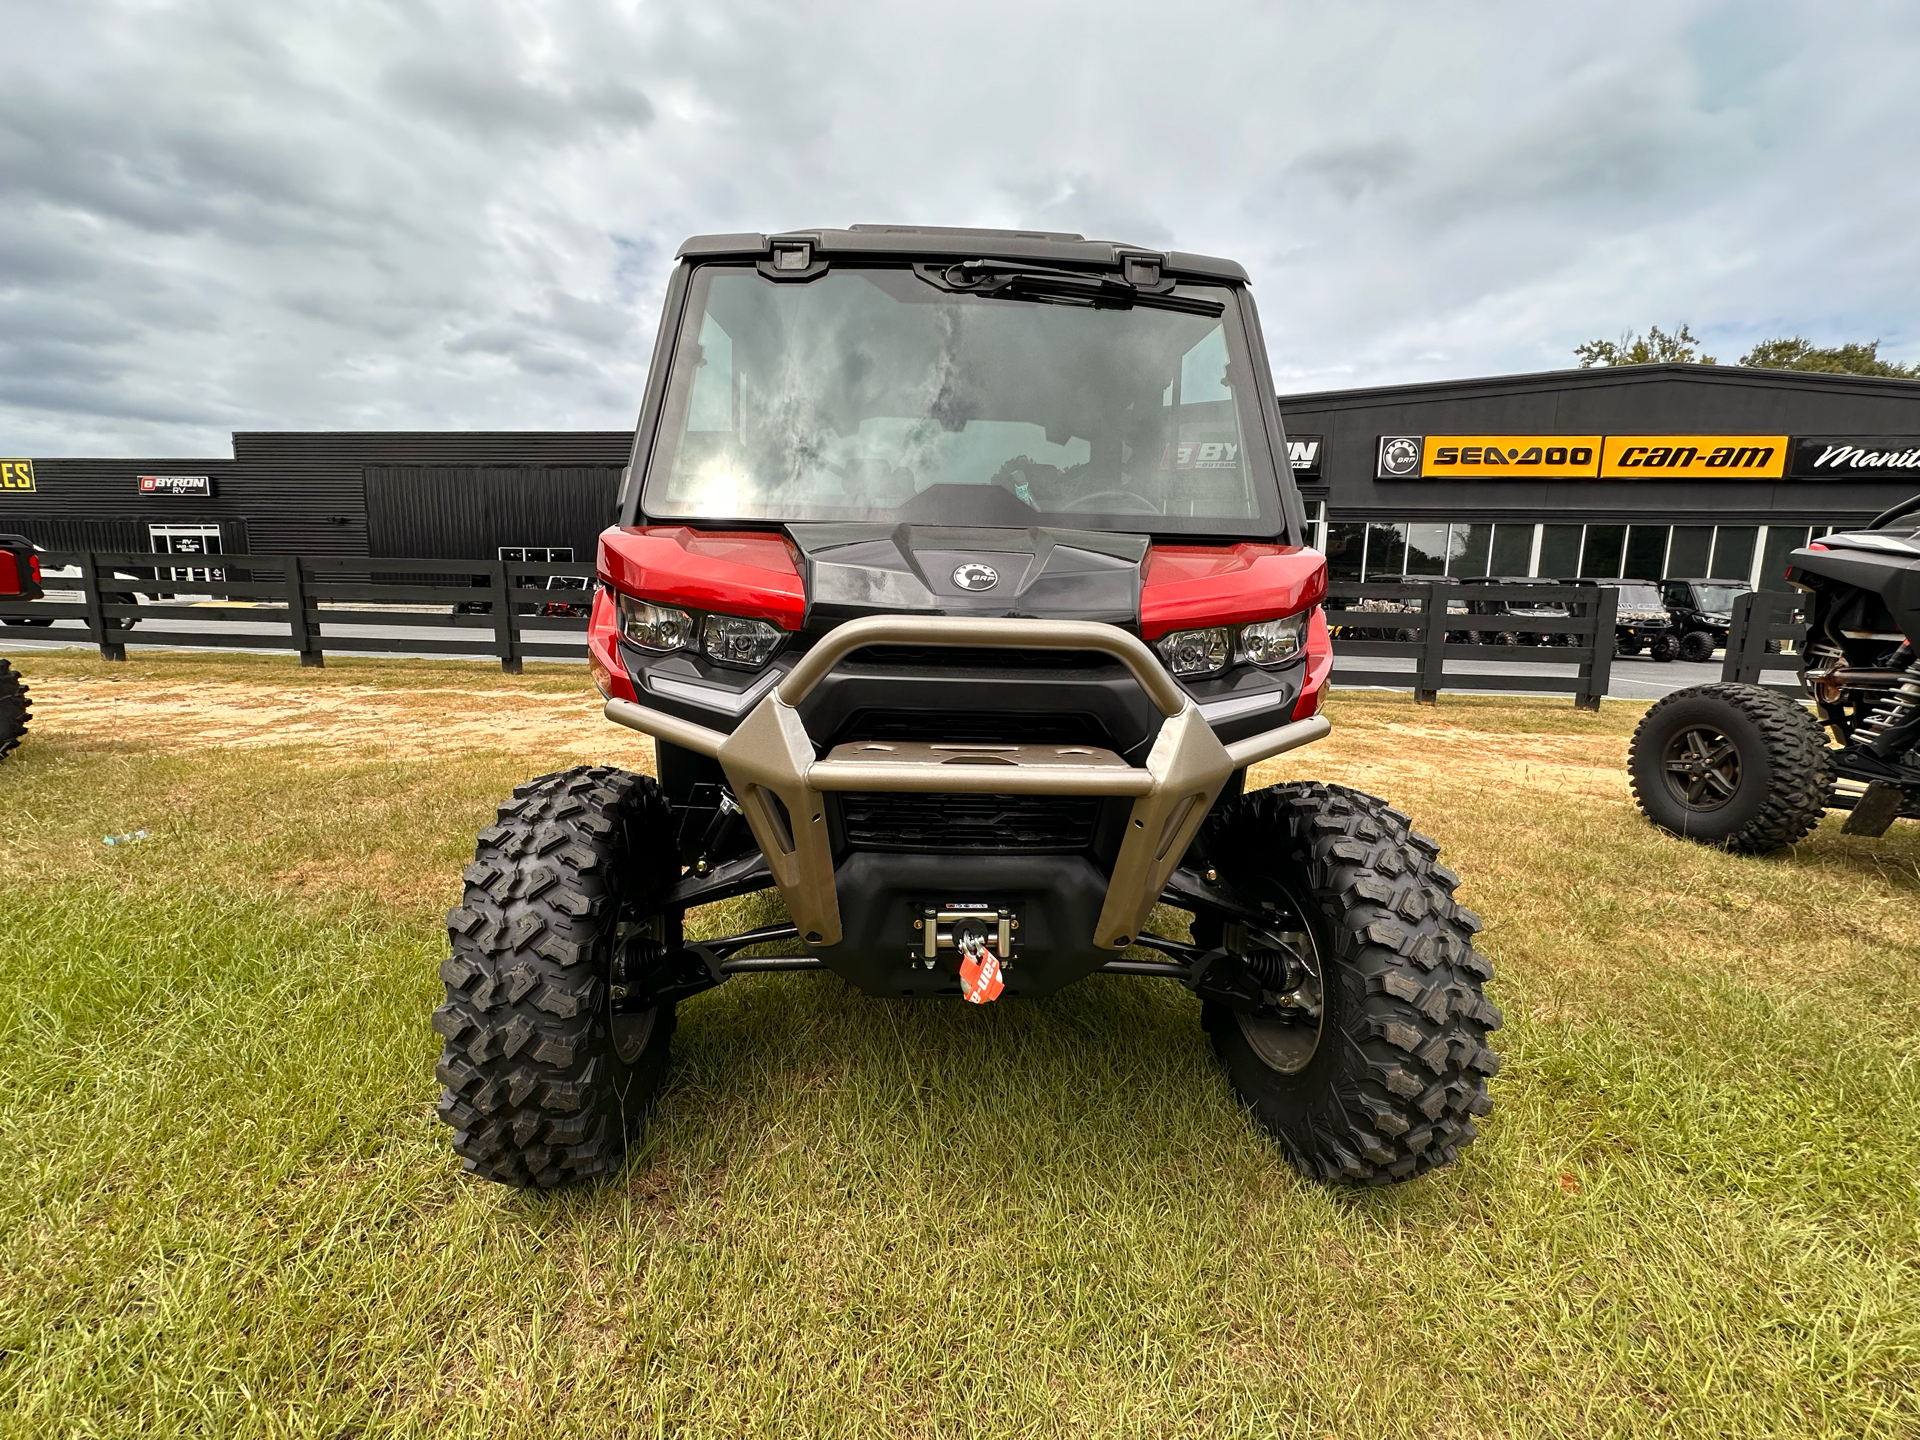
(980, 978)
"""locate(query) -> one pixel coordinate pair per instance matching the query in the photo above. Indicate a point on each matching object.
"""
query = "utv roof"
(907, 242)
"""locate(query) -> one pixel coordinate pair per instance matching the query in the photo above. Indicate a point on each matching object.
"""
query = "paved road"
(1632, 679)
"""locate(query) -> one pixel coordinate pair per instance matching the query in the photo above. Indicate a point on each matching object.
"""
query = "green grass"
(229, 1209)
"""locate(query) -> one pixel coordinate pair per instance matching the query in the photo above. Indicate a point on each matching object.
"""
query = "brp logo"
(1399, 457)
(976, 577)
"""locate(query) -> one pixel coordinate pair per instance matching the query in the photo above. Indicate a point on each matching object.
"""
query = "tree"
(1798, 354)
(1656, 347)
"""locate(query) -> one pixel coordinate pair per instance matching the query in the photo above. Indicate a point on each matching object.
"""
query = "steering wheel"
(1132, 504)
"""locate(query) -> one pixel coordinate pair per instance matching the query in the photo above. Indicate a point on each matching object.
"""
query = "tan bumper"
(770, 755)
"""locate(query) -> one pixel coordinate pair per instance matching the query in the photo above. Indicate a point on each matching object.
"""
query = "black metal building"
(433, 494)
(1642, 471)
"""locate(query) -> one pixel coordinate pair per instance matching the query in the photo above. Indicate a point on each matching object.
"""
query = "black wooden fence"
(1436, 623)
(510, 611)
(1768, 634)
(311, 605)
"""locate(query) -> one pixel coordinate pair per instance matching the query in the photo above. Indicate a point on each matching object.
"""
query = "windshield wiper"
(1016, 282)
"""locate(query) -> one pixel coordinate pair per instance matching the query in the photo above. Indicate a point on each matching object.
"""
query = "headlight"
(1271, 641)
(730, 640)
(1193, 653)
(655, 627)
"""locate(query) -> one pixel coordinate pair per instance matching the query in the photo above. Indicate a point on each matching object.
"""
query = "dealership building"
(1638, 471)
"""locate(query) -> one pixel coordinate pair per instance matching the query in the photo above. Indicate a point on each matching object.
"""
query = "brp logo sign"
(976, 577)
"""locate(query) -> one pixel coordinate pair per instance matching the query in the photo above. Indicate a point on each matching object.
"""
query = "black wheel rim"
(1702, 767)
(1284, 1035)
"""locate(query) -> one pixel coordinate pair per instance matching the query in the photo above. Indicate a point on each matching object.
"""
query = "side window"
(711, 405)
(1203, 370)
(1675, 595)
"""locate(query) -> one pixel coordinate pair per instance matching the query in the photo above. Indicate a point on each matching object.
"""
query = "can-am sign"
(201, 485)
(1856, 457)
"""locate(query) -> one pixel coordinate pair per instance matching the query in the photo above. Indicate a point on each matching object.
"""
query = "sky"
(221, 215)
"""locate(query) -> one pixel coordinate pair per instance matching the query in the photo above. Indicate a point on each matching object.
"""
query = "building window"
(1386, 552)
(1687, 557)
(1781, 541)
(1512, 550)
(1470, 546)
(1316, 524)
(1345, 550)
(1646, 553)
(1427, 549)
(1733, 553)
(1559, 550)
(1600, 557)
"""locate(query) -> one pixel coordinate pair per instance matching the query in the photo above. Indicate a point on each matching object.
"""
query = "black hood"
(1036, 572)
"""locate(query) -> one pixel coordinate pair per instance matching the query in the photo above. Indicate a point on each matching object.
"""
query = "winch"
(981, 933)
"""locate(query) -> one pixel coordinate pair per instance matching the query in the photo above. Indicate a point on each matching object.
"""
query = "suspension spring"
(1888, 731)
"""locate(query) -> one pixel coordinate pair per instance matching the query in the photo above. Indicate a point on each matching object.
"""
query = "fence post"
(1597, 674)
(96, 614)
(1433, 660)
(506, 638)
(1738, 668)
(306, 641)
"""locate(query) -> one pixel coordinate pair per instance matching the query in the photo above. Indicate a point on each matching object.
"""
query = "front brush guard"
(772, 768)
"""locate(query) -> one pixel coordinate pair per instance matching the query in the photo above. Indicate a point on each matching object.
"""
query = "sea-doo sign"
(1856, 457)
(200, 485)
(1489, 457)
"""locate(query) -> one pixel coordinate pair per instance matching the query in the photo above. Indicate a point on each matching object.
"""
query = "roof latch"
(792, 260)
(1141, 269)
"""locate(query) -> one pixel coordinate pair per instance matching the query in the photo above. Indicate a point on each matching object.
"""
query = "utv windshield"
(1714, 599)
(872, 394)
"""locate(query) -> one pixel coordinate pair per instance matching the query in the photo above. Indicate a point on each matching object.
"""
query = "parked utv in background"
(1702, 612)
(1509, 628)
(19, 580)
(1642, 622)
(960, 579)
(1752, 769)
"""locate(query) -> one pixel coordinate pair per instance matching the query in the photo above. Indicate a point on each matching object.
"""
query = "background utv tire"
(1664, 648)
(1696, 646)
(1731, 765)
(15, 709)
(544, 1084)
(1401, 1064)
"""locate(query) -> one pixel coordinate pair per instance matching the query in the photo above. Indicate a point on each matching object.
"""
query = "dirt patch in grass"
(332, 721)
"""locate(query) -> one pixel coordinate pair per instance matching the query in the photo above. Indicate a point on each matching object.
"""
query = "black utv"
(1752, 769)
(1702, 614)
(960, 581)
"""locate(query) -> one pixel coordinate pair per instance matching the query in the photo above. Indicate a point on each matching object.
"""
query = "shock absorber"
(1275, 969)
(1889, 731)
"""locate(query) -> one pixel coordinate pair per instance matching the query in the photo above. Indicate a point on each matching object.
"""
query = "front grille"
(972, 659)
(975, 727)
(972, 823)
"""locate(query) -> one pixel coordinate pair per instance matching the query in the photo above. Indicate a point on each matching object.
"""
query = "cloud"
(219, 215)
